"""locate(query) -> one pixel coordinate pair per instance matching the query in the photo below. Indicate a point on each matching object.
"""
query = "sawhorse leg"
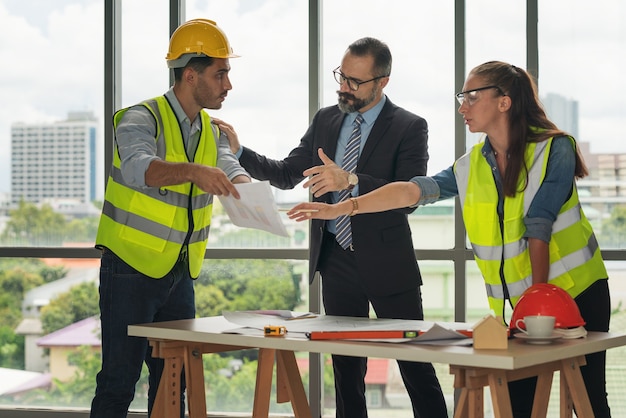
(472, 380)
(167, 401)
(176, 357)
(179, 355)
(288, 383)
(471, 399)
(289, 380)
(576, 391)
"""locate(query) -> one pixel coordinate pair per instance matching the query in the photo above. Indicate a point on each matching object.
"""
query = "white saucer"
(538, 340)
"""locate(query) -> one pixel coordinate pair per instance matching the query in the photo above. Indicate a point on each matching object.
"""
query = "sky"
(52, 55)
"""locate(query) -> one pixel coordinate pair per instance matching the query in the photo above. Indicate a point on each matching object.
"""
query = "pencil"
(300, 210)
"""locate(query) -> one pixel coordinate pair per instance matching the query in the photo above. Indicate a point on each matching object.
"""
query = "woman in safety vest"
(520, 207)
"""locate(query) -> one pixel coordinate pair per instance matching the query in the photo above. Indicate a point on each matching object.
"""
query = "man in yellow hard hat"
(169, 162)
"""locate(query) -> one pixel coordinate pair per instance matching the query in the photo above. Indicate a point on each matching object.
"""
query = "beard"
(343, 101)
(206, 97)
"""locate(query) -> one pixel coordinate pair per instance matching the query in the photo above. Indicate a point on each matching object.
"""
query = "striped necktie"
(350, 158)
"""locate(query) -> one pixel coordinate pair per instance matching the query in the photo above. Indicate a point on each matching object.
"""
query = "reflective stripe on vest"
(156, 229)
(147, 227)
(564, 220)
(171, 197)
(573, 246)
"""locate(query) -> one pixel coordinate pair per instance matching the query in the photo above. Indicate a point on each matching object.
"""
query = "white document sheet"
(255, 209)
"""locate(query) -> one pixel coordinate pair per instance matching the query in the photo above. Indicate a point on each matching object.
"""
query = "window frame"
(459, 254)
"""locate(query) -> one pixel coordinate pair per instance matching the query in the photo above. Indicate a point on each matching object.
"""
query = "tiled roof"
(85, 332)
(377, 371)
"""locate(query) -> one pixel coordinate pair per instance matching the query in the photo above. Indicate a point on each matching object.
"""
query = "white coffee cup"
(537, 326)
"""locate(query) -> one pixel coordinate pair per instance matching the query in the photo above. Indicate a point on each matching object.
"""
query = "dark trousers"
(128, 297)
(595, 307)
(343, 295)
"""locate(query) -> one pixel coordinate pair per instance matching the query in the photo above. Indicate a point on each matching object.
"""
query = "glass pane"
(421, 81)
(502, 39)
(51, 131)
(50, 334)
(144, 68)
(574, 92)
(235, 285)
(476, 295)
(438, 301)
(52, 338)
(268, 105)
(580, 104)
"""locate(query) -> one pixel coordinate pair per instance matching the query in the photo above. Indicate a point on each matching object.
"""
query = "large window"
(582, 95)
(51, 158)
(56, 137)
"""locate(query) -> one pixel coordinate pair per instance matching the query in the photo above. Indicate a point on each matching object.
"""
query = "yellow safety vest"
(147, 227)
(499, 246)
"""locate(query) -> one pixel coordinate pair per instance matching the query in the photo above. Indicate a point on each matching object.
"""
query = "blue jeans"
(128, 297)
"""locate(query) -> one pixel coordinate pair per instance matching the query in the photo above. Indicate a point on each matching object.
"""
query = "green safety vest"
(502, 253)
(147, 227)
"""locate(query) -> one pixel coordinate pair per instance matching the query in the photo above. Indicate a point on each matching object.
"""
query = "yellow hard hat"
(195, 38)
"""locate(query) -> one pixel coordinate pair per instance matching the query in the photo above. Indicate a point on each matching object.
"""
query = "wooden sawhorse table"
(472, 380)
(182, 343)
(188, 355)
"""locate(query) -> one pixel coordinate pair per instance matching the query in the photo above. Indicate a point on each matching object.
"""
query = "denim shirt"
(544, 209)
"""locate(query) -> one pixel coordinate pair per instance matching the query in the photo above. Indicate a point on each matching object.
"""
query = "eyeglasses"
(353, 84)
(471, 96)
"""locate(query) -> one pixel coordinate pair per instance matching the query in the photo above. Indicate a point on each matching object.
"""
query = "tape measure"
(275, 331)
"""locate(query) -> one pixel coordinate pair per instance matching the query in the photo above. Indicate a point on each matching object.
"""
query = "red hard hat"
(549, 300)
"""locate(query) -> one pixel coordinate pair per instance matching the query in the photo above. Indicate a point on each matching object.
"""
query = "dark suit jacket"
(396, 149)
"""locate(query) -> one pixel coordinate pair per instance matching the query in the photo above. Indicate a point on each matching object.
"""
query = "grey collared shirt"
(135, 136)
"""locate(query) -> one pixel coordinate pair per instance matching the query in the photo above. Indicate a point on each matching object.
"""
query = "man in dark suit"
(378, 264)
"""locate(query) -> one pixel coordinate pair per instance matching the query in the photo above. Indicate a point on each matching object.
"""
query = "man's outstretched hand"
(325, 178)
